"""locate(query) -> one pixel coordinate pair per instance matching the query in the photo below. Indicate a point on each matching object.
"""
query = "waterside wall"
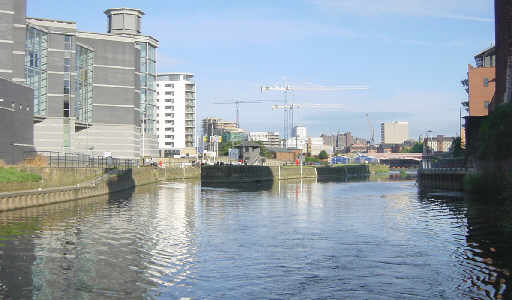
(243, 174)
(91, 183)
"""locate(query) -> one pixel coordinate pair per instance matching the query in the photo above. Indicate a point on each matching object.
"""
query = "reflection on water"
(284, 240)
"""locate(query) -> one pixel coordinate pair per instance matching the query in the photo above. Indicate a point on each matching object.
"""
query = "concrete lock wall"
(85, 183)
(234, 174)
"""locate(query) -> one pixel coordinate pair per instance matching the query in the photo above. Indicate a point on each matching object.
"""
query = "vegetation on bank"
(494, 155)
(378, 169)
(416, 148)
(496, 135)
(9, 175)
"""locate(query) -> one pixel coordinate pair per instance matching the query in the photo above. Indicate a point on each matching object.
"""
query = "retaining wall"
(442, 179)
(347, 171)
(234, 174)
(107, 182)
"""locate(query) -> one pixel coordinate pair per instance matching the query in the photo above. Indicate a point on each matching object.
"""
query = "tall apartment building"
(176, 112)
(394, 132)
(93, 92)
(482, 82)
(300, 132)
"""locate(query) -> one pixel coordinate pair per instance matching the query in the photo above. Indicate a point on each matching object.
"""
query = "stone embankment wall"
(84, 183)
(348, 171)
(234, 174)
(442, 179)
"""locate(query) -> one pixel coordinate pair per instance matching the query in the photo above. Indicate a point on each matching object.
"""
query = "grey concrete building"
(16, 104)
(92, 92)
(100, 88)
(16, 110)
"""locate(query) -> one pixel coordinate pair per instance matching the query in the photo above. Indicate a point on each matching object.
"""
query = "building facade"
(503, 24)
(92, 92)
(482, 82)
(176, 112)
(268, 139)
(394, 132)
(16, 111)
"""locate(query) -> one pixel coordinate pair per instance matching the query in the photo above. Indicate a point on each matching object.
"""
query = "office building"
(17, 129)
(482, 82)
(394, 132)
(176, 113)
(268, 139)
(16, 99)
(92, 92)
(300, 132)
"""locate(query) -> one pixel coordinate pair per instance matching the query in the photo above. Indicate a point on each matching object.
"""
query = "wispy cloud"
(468, 10)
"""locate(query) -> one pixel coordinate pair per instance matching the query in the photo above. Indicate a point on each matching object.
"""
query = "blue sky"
(411, 53)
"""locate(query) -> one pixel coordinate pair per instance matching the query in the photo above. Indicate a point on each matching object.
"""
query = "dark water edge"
(380, 238)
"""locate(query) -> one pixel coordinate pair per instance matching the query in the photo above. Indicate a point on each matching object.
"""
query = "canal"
(293, 240)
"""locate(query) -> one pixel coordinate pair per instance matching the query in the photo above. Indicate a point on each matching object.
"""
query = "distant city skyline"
(412, 55)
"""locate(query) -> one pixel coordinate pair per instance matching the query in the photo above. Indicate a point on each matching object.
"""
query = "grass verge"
(9, 175)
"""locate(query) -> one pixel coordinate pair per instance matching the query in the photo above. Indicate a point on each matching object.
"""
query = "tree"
(323, 155)
(417, 148)
(456, 148)
(465, 85)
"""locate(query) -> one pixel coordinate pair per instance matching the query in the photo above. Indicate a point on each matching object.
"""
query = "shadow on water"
(121, 187)
(488, 247)
(241, 186)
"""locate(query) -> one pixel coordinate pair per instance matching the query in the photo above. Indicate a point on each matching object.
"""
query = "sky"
(412, 54)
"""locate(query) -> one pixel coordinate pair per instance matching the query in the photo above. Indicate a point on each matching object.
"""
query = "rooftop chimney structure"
(124, 20)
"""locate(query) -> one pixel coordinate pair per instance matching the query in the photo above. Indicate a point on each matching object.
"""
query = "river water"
(292, 240)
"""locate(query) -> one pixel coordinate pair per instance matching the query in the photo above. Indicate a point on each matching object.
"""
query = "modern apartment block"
(482, 82)
(394, 132)
(176, 113)
(93, 92)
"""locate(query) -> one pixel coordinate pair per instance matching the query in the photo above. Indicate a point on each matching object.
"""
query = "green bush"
(496, 134)
(8, 175)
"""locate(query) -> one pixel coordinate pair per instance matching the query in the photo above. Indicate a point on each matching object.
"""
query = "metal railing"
(433, 162)
(77, 160)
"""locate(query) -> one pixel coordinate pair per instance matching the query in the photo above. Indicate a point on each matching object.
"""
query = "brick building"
(503, 11)
(482, 82)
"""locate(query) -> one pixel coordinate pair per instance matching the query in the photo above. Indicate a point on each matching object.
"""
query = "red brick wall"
(478, 93)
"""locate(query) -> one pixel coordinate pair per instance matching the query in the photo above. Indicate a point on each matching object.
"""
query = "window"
(486, 82)
(169, 85)
(169, 107)
(169, 137)
(169, 115)
(169, 122)
(67, 86)
(169, 129)
(67, 64)
(169, 100)
(486, 104)
(169, 93)
(67, 42)
(169, 144)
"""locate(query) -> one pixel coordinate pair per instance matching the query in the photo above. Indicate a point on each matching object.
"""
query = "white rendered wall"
(179, 114)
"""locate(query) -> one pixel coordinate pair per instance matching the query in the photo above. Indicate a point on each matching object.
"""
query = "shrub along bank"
(11, 175)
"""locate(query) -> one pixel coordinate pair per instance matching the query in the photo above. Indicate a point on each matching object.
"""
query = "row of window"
(13, 106)
(167, 85)
(170, 129)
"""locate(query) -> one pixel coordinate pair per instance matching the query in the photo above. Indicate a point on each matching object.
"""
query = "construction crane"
(286, 88)
(292, 107)
(372, 130)
(237, 106)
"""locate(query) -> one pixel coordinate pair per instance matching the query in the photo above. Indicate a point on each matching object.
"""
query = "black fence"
(432, 162)
(77, 160)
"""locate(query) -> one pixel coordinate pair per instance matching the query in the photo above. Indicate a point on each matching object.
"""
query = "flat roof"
(50, 20)
(175, 73)
(489, 51)
(111, 10)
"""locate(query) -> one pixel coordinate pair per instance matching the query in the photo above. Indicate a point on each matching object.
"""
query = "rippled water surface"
(293, 240)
